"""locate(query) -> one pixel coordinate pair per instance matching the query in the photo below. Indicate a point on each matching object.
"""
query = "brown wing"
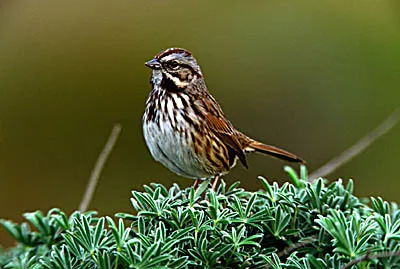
(222, 128)
(224, 131)
(233, 139)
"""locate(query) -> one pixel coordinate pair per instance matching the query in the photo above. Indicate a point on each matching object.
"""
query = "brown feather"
(274, 152)
(224, 130)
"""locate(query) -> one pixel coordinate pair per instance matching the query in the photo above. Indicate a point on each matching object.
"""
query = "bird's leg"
(196, 183)
(215, 182)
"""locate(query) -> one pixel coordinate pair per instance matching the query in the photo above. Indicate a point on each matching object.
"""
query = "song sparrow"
(185, 128)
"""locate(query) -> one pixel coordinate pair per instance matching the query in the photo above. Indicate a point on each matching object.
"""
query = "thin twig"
(96, 171)
(289, 249)
(370, 256)
(358, 147)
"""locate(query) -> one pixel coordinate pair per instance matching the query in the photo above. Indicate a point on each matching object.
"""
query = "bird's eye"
(173, 64)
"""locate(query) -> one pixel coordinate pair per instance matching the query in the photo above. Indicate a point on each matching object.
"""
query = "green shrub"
(297, 225)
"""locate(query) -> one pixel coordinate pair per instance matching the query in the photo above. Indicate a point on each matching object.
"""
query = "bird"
(185, 128)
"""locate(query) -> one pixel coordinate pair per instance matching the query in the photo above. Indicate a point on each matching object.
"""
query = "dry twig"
(289, 249)
(96, 171)
(370, 256)
(358, 147)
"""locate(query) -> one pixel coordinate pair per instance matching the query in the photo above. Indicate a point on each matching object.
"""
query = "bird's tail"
(273, 151)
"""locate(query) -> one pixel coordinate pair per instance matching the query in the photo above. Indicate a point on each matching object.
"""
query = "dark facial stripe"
(174, 74)
(168, 84)
(184, 73)
(170, 51)
(192, 70)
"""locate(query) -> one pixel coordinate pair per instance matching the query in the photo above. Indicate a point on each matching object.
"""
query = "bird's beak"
(153, 64)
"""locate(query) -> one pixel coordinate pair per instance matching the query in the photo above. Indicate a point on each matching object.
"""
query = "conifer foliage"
(296, 225)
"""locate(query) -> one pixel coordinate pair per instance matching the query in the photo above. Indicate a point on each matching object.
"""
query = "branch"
(358, 147)
(96, 171)
(289, 249)
(370, 256)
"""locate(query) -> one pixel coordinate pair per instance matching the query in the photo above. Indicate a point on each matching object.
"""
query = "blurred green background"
(312, 77)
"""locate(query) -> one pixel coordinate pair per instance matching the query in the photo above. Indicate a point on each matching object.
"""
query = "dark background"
(312, 77)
